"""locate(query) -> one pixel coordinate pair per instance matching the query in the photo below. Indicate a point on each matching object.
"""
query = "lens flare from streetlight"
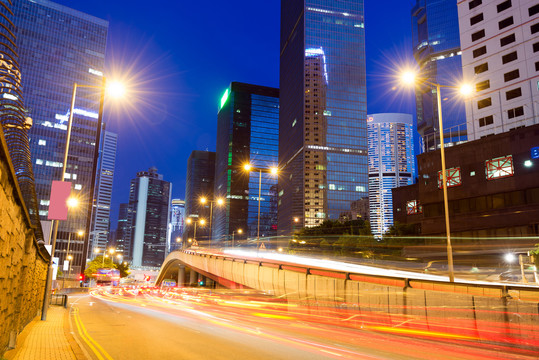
(220, 201)
(247, 167)
(202, 221)
(203, 200)
(80, 233)
(509, 257)
(115, 89)
(240, 231)
(408, 77)
(466, 89)
(188, 220)
(274, 170)
(72, 202)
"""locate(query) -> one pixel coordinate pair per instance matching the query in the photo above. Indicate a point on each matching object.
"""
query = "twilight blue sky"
(182, 55)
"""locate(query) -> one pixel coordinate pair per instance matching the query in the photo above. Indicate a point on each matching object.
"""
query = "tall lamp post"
(233, 232)
(116, 90)
(271, 170)
(410, 78)
(204, 200)
(190, 221)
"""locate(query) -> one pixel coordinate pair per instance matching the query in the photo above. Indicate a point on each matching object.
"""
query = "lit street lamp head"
(202, 221)
(274, 170)
(466, 90)
(72, 202)
(80, 232)
(188, 220)
(115, 89)
(408, 77)
(203, 200)
(247, 167)
(240, 231)
(220, 201)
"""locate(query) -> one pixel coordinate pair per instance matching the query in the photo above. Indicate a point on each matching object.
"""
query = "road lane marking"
(102, 354)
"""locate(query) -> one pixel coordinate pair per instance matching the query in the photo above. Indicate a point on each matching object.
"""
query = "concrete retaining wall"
(23, 263)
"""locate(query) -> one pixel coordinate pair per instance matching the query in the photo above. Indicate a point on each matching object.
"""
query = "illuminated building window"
(453, 177)
(413, 207)
(499, 168)
(42, 142)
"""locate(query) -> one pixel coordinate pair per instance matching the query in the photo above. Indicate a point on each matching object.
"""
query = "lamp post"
(190, 221)
(410, 78)
(116, 90)
(273, 171)
(233, 232)
(204, 200)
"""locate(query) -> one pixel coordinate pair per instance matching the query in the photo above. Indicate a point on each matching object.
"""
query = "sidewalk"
(47, 340)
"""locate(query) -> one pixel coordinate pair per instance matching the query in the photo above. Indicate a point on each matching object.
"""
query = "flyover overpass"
(329, 281)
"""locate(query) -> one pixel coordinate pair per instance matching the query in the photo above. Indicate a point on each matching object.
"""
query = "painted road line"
(98, 350)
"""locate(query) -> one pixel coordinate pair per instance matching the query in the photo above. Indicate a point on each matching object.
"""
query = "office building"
(149, 200)
(58, 47)
(391, 164)
(493, 191)
(199, 183)
(500, 57)
(247, 133)
(176, 225)
(122, 241)
(322, 127)
(436, 48)
(99, 233)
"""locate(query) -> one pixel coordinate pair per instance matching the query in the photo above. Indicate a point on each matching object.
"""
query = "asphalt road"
(114, 324)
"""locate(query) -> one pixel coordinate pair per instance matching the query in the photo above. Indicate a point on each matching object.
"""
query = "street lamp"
(219, 201)
(233, 232)
(190, 221)
(410, 78)
(272, 170)
(115, 90)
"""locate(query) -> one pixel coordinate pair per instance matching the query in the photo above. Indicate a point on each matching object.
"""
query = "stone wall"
(23, 262)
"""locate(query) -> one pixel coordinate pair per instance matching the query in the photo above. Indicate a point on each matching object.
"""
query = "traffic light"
(201, 282)
(81, 277)
(146, 277)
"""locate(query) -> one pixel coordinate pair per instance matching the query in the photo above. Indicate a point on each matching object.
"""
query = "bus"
(107, 277)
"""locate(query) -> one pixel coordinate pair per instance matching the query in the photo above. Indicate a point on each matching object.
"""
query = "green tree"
(98, 263)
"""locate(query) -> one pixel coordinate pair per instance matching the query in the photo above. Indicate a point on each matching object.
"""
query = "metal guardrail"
(59, 300)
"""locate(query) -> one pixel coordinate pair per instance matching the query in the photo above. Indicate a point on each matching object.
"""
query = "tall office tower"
(436, 48)
(247, 132)
(391, 164)
(176, 225)
(500, 53)
(199, 183)
(59, 46)
(322, 128)
(99, 233)
(149, 200)
(122, 240)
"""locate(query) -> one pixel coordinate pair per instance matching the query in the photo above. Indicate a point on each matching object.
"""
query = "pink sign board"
(60, 192)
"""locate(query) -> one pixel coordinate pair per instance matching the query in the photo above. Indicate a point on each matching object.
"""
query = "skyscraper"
(177, 223)
(322, 127)
(391, 164)
(247, 132)
(100, 227)
(59, 46)
(149, 200)
(122, 241)
(436, 48)
(199, 183)
(500, 42)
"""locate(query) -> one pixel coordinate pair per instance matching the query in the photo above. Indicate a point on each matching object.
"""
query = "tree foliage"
(98, 263)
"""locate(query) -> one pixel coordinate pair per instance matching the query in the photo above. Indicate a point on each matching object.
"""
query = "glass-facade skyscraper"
(436, 48)
(247, 132)
(149, 200)
(322, 128)
(391, 164)
(59, 46)
(198, 183)
(99, 233)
